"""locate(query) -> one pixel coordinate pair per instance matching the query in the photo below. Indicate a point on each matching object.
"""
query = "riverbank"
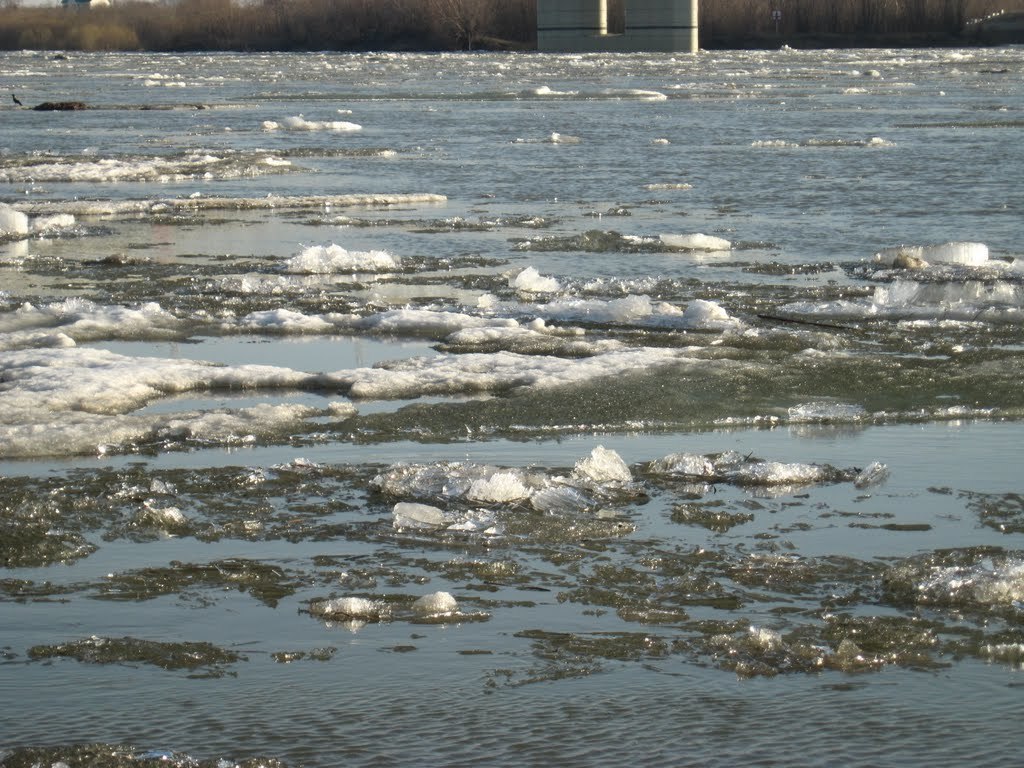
(436, 25)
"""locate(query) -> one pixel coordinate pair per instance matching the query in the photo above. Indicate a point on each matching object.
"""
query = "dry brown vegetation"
(348, 25)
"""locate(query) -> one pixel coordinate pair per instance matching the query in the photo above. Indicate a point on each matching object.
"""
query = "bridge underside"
(650, 25)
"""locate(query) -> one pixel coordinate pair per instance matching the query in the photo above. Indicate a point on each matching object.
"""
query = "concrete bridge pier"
(650, 25)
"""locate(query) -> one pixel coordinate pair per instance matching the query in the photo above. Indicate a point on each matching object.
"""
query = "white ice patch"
(457, 374)
(436, 604)
(12, 221)
(824, 413)
(986, 582)
(434, 481)
(68, 401)
(202, 203)
(242, 425)
(408, 514)
(531, 281)
(300, 123)
(667, 186)
(634, 93)
(333, 259)
(637, 310)
(962, 253)
(499, 488)
(544, 90)
(688, 464)
(426, 322)
(359, 608)
(707, 315)
(602, 471)
(81, 320)
(283, 321)
(874, 141)
(778, 473)
(696, 242)
(995, 300)
(47, 225)
(602, 466)
(159, 169)
(561, 500)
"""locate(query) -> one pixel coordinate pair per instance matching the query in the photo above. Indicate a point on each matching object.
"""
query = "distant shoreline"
(488, 25)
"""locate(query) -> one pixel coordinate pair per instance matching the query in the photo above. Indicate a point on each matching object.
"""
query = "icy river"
(391, 410)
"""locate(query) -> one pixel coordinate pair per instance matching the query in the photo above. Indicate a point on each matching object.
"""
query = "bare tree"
(467, 20)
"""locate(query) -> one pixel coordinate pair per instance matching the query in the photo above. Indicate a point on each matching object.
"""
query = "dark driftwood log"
(59, 106)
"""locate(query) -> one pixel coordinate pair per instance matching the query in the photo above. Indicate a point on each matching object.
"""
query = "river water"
(398, 409)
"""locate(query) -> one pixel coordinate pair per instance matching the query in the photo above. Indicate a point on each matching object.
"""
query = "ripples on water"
(511, 409)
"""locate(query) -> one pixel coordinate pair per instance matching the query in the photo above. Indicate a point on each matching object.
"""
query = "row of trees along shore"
(441, 25)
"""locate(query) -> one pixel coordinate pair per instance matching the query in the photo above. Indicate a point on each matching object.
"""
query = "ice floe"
(992, 300)
(106, 207)
(196, 165)
(638, 310)
(963, 253)
(300, 123)
(602, 466)
(530, 280)
(973, 581)
(12, 221)
(330, 259)
(696, 242)
(69, 400)
(360, 608)
(436, 604)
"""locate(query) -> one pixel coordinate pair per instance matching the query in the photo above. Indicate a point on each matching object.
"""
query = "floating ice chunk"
(696, 242)
(447, 479)
(777, 473)
(12, 222)
(477, 521)
(968, 254)
(985, 582)
(561, 499)
(501, 487)
(703, 314)
(691, 464)
(602, 466)
(873, 474)
(350, 608)
(243, 425)
(285, 320)
(411, 515)
(436, 604)
(545, 90)
(46, 224)
(477, 372)
(816, 413)
(428, 322)
(767, 639)
(664, 187)
(915, 256)
(166, 518)
(299, 123)
(635, 93)
(332, 259)
(531, 281)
